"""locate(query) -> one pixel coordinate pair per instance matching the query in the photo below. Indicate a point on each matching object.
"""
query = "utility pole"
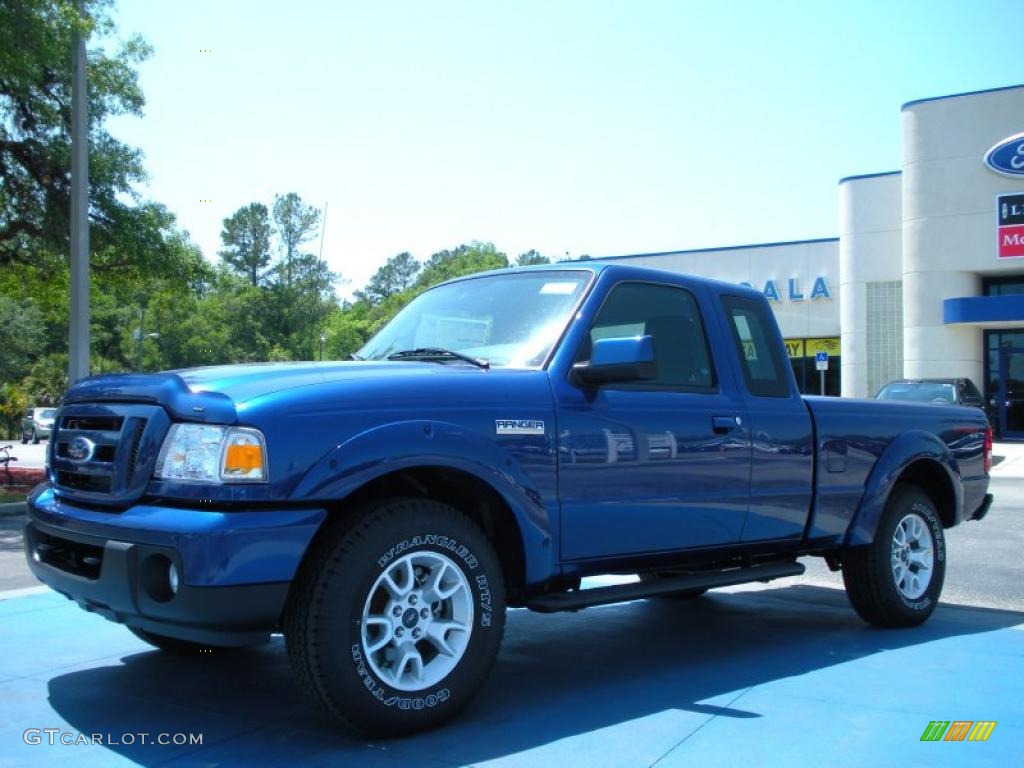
(78, 341)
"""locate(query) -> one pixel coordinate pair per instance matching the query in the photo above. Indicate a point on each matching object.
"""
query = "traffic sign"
(821, 361)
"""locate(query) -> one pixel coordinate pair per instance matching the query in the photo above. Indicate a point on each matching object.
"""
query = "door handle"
(723, 424)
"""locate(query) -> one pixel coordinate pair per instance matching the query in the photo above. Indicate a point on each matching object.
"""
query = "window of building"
(671, 317)
(808, 378)
(763, 369)
(1002, 286)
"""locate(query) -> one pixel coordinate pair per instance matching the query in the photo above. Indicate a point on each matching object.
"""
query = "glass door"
(1011, 392)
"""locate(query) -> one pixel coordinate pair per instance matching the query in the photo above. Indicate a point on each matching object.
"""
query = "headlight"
(203, 453)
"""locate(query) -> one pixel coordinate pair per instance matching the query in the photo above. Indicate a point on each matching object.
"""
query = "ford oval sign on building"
(1007, 157)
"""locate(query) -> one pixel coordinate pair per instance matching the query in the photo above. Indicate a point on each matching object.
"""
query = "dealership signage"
(1010, 226)
(1007, 157)
(793, 291)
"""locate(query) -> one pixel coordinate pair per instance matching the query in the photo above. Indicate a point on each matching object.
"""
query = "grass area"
(7, 497)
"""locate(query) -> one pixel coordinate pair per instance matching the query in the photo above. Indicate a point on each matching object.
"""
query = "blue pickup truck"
(505, 435)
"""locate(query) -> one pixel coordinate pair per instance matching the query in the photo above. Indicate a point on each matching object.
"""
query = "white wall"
(870, 250)
(802, 261)
(949, 237)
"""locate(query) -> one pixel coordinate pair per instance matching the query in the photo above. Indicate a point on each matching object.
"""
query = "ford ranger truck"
(505, 435)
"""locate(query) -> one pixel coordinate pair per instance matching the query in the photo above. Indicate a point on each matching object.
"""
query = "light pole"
(78, 334)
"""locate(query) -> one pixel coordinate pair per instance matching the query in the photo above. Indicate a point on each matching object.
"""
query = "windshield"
(49, 413)
(919, 391)
(511, 320)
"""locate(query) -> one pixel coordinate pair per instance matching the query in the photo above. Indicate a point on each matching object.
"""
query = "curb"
(13, 509)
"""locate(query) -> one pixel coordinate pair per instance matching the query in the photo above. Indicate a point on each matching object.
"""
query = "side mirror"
(614, 361)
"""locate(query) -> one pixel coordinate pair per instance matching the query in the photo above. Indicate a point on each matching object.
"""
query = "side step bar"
(574, 600)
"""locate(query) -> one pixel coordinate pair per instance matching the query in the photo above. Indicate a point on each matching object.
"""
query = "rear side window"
(762, 364)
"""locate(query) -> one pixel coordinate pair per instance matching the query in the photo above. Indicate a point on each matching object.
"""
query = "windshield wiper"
(434, 353)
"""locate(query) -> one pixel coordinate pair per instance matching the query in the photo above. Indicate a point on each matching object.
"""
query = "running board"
(574, 600)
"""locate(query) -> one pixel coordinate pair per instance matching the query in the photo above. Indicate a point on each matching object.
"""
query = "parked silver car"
(37, 424)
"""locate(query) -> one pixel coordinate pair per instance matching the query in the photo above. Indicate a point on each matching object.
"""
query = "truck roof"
(597, 266)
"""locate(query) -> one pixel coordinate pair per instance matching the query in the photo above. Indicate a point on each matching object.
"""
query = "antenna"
(323, 231)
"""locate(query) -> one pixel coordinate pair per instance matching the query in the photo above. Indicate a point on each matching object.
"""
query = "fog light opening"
(160, 578)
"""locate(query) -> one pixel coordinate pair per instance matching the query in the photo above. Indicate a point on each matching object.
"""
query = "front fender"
(898, 455)
(425, 443)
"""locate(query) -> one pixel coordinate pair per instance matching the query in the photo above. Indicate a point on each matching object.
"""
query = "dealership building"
(926, 277)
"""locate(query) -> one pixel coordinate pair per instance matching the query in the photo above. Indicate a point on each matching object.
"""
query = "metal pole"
(822, 382)
(78, 342)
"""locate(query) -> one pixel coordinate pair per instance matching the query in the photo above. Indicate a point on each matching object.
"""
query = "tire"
(24, 437)
(387, 565)
(35, 437)
(896, 580)
(684, 594)
(173, 644)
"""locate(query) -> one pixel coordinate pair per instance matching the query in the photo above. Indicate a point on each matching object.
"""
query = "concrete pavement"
(777, 676)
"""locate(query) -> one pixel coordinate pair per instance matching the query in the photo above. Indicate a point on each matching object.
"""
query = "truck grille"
(104, 453)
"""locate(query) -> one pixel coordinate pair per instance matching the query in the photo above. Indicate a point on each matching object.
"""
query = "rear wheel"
(24, 437)
(394, 620)
(896, 580)
(35, 437)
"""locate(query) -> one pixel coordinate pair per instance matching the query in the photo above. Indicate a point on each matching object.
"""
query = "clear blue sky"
(589, 127)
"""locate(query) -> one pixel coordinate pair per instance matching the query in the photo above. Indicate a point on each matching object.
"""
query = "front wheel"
(396, 618)
(896, 580)
(35, 437)
(24, 437)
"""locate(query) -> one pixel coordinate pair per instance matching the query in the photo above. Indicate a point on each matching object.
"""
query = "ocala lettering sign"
(792, 290)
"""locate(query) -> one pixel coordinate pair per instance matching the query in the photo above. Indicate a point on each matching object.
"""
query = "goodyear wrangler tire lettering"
(413, 591)
(896, 580)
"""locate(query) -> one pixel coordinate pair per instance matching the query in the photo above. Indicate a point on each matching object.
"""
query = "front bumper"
(234, 568)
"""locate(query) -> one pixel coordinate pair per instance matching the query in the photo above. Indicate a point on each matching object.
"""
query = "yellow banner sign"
(808, 347)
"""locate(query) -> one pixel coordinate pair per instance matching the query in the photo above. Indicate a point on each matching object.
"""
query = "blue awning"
(1004, 311)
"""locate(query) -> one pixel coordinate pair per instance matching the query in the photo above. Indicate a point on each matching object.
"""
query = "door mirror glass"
(614, 361)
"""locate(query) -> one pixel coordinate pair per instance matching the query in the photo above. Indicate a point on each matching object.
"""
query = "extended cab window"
(671, 317)
(762, 366)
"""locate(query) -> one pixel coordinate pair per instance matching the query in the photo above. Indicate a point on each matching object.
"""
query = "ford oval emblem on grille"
(81, 449)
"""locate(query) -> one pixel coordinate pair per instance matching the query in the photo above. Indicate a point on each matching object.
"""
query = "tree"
(246, 237)
(397, 274)
(531, 257)
(23, 337)
(35, 121)
(463, 260)
(296, 224)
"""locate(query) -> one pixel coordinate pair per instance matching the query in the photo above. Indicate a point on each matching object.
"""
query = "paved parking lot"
(777, 676)
(767, 675)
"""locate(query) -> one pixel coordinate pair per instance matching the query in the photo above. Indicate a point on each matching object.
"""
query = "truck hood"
(210, 394)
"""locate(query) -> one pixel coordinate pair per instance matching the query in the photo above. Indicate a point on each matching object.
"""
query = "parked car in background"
(945, 391)
(37, 424)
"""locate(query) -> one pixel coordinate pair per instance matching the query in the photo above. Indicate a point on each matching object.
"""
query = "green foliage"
(296, 224)
(463, 260)
(246, 238)
(13, 404)
(397, 274)
(21, 324)
(530, 258)
(35, 119)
